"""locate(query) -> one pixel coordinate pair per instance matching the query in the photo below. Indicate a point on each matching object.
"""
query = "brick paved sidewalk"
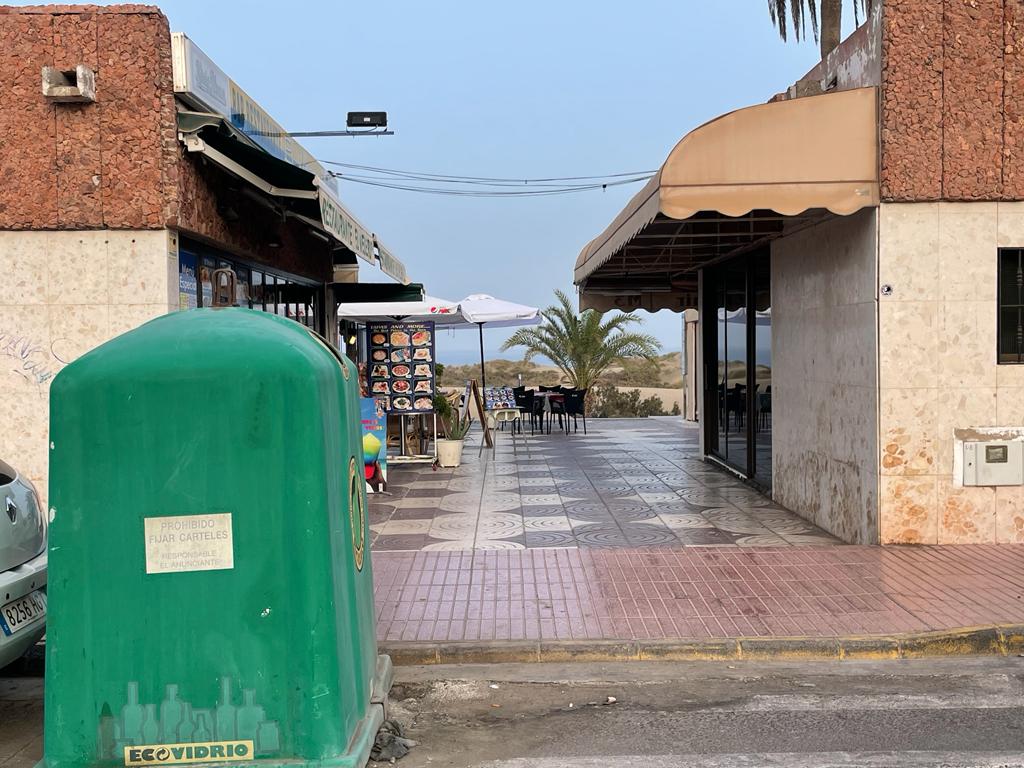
(698, 592)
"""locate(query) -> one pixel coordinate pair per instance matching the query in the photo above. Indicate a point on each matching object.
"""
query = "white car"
(22, 566)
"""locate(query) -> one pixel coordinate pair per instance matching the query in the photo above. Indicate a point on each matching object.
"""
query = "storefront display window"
(260, 289)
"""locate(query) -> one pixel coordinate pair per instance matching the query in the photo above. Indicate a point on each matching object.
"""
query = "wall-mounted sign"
(188, 283)
(344, 226)
(198, 80)
(182, 543)
(391, 266)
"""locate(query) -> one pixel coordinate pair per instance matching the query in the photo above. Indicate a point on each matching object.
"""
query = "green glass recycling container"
(211, 599)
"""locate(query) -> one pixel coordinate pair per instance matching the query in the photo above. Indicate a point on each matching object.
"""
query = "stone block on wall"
(73, 306)
(1009, 504)
(908, 332)
(966, 515)
(908, 510)
(952, 124)
(972, 99)
(908, 243)
(967, 251)
(908, 439)
(25, 274)
(911, 109)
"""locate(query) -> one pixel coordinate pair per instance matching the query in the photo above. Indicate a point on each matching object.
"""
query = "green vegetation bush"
(500, 373)
(611, 403)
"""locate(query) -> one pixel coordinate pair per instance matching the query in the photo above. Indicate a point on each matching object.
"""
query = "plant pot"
(449, 452)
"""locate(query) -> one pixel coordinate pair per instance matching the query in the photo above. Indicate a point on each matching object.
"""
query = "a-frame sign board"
(473, 390)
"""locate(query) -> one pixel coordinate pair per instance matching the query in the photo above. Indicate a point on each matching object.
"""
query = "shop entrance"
(736, 324)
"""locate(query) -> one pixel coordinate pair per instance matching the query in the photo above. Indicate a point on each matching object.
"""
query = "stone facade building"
(120, 193)
(856, 249)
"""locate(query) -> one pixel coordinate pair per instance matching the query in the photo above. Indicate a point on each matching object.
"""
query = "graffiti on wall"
(34, 362)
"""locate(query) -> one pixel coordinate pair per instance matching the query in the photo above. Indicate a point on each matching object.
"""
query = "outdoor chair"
(527, 402)
(764, 409)
(558, 409)
(576, 406)
(735, 403)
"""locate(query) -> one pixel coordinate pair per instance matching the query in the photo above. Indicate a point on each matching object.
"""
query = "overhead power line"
(454, 177)
(479, 186)
(531, 184)
(535, 190)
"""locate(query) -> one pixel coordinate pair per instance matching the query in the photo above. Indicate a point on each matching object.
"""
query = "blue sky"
(525, 89)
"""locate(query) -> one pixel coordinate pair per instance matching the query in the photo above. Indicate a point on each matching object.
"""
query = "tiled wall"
(938, 371)
(824, 396)
(64, 293)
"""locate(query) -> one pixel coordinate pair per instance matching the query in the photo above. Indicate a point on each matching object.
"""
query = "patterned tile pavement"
(627, 483)
(625, 534)
(693, 592)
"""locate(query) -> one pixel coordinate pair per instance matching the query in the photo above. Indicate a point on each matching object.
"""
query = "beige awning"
(733, 182)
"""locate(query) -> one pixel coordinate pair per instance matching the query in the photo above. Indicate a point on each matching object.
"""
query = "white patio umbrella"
(476, 311)
(429, 308)
(480, 309)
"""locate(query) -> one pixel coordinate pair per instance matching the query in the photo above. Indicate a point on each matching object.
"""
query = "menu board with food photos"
(400, 366)
(499, 397)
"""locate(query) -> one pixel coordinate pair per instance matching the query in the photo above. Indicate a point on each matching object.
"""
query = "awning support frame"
(193, 143)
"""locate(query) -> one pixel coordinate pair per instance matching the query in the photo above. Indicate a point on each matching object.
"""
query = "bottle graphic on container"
(132, 715)
(202, 732)
(119, 741)
(150, 727)
(227, 713)
(171, 712)
(187, 726)
(250, 715)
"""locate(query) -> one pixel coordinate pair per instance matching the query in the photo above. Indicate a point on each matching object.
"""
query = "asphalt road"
(955, 712)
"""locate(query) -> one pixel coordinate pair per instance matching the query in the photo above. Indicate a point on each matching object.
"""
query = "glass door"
(737, 365)
(761, 407)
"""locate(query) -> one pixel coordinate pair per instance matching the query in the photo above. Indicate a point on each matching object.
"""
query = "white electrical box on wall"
(995, 462)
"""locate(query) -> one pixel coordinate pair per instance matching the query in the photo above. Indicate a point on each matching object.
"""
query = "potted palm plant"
(449, 448)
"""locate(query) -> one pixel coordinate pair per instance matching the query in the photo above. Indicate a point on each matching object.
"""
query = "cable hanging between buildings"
(456, 178)
(533, 191)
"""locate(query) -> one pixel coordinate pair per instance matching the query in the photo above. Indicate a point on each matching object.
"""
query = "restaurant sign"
(344, 226)
(198, 80)
(391, 266)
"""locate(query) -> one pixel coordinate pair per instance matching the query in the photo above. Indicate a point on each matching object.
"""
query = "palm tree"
(583, 346)
(797, 12)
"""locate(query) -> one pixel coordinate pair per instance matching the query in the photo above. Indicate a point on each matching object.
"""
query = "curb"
(993, 640)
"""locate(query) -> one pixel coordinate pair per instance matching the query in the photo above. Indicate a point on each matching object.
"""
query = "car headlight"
(33, 500)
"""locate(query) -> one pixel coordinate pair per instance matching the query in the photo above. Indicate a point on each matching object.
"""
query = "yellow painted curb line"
(999, 640)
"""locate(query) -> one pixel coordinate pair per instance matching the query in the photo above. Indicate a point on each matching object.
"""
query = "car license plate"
(19, 613)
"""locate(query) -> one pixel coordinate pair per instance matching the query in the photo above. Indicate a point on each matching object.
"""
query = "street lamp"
(358, 124)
